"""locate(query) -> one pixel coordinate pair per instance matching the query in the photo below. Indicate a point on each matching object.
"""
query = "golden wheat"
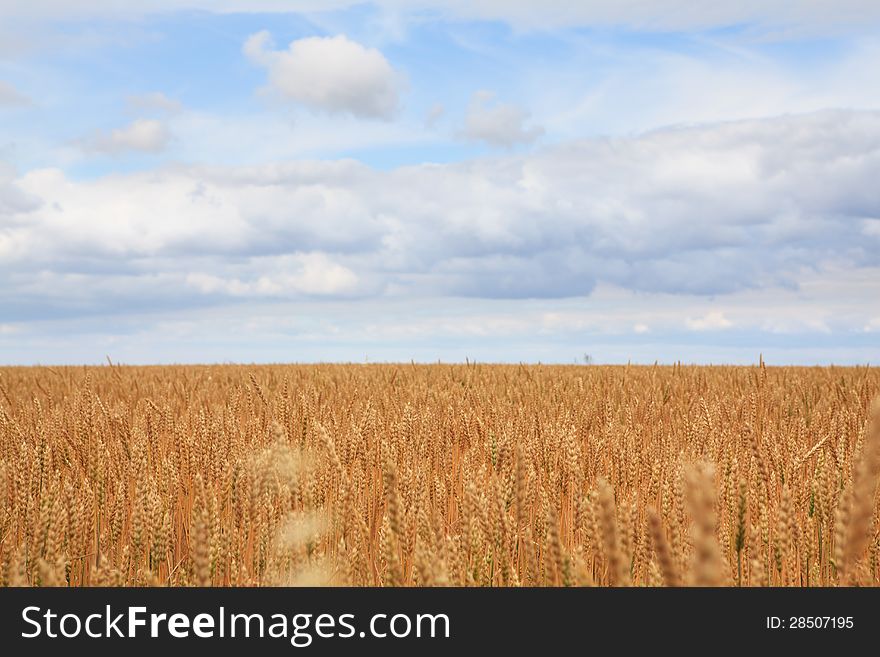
(466, 475)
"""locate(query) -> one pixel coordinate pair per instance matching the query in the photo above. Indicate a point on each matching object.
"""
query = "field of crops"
(464, 475)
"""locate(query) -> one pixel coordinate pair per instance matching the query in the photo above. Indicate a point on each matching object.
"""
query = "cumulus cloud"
(151, 102)
(13, 200)
(329, 74)
(10, 96)
(311, 274)
(142, 135)
(497, 124)
(711, 210)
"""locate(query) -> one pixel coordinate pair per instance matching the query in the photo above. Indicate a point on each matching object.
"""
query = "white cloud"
(549, 330)
(710, 322)
(712, 210)
(319, 275)
(497, 124)
(211, 284)
(11, 97)
(642, 86)
(780, 324)
(142, 135)
(641, 328)
(13, 200)
(115, 8)
(154, 101)
(311, 274)
(663, 15)
(330, 74)
(783, 16)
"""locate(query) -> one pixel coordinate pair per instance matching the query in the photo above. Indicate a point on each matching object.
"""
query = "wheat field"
(430, 475)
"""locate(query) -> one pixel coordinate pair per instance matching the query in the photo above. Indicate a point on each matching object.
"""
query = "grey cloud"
(141, 135)
(782, 15)
(708, 210)
(497, 124)
(548, 275)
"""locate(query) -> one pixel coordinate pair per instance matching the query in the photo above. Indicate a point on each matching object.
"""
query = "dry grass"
(439, 475)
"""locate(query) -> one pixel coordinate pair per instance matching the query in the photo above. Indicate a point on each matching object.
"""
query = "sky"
(194, 181)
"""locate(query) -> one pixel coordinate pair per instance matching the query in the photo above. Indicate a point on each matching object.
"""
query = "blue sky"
(502, 181)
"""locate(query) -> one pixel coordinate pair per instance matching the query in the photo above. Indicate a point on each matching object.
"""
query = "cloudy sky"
(499, 180)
